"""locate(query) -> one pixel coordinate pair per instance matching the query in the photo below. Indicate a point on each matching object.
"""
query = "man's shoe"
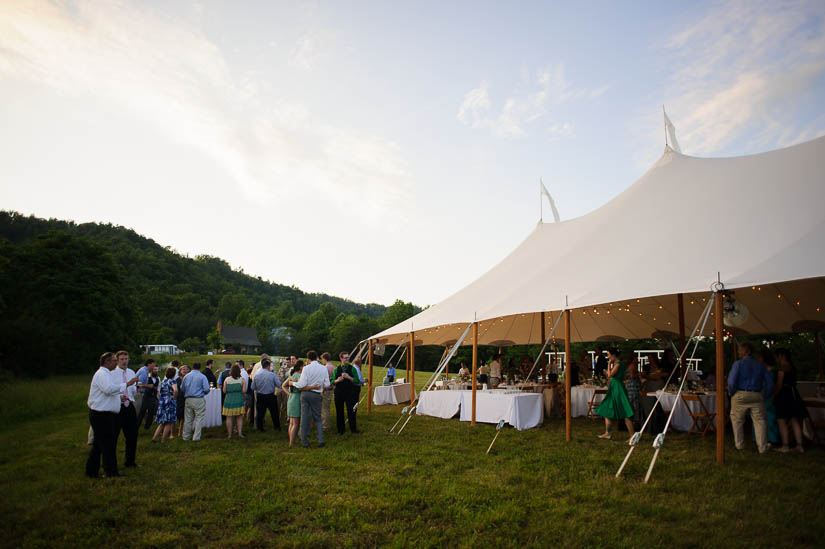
(134, 465)
(96, 475)
(321, 445)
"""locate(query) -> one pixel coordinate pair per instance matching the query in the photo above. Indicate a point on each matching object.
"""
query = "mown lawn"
(431, 486)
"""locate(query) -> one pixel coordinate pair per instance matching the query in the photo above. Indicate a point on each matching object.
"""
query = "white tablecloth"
(579, 399)
(444, 404)
(681, 417)
(391, 394)
(213, 409)
(521, 410)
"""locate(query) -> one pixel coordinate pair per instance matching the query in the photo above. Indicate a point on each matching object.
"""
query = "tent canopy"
(758, 221)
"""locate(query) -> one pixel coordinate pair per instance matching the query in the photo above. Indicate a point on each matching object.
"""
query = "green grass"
(431, 486)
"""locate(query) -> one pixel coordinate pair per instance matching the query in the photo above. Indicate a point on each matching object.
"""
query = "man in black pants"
(346, 393)
(150, 395)
(127, 418)
(104, 406)
(264, 384)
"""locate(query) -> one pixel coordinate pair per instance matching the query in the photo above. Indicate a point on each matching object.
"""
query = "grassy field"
(432, 486)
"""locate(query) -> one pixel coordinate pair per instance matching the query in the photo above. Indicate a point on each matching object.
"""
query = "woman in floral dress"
(167, 407)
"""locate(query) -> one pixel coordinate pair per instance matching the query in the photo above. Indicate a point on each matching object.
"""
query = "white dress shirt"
(245, 375)
(495, 369)
(314, 374)
(105, 391)
(131, 390)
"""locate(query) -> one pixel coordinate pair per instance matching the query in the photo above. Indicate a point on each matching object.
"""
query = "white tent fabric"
(758, 221)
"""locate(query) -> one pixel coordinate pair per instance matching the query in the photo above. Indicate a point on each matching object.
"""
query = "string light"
(779, 296)
(692, 302)
(661, 307)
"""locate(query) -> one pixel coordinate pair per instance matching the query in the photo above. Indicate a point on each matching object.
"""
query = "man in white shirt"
(104, 407)
(127, 417)
(495, 371)
(314, 378)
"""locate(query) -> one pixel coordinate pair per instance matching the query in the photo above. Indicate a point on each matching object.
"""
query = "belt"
(750, 390)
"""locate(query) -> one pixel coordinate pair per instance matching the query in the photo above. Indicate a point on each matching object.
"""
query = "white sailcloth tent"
(757, 222)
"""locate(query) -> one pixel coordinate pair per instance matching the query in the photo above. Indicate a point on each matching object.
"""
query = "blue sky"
(381, 150)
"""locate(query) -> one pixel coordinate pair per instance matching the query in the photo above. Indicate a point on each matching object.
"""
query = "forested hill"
(74, 290)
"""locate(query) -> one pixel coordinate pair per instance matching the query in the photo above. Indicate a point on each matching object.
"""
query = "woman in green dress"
(615, 405)
(234, 387)
(293, 405)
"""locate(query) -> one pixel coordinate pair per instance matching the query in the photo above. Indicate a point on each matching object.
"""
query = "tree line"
(69, 291)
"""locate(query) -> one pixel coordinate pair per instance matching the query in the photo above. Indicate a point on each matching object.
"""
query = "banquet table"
(579, 400)
(213, 409)
(681, 417)
(391, 394)
(521, 410)
(443, 404)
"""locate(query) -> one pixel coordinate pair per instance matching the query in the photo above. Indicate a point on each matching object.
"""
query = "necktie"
(125, 397)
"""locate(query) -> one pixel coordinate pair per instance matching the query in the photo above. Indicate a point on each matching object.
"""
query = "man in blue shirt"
(195, 387)
(390, 373)
(747, 381)
(264, 384)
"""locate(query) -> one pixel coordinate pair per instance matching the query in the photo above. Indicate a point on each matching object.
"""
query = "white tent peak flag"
(671, 132)
(550, 199)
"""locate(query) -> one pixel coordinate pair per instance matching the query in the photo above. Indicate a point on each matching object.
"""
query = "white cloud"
(742, 69)
(169, 74)
(546, 89)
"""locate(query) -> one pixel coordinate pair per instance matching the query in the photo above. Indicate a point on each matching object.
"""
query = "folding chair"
(700, 416)
(593, 404)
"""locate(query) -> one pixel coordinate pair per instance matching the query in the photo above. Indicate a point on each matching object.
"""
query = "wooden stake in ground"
(498, 430)
(720, 382)
(475, 365)
(370, 384)
(568, 427)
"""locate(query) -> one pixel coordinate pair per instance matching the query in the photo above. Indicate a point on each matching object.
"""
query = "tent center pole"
(568, 427)
(680, 300)
(412, 366)
(370, 383)
(543, 361)
(720, 382)
(475, 368)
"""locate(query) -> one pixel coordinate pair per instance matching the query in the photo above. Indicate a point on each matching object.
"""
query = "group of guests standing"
(762, 388)
(120, 400)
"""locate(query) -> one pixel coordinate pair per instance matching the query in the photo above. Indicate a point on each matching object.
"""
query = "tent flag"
(550, 199)
(671, 132)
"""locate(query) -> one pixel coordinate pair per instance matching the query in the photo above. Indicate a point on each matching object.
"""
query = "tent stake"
(498, 431)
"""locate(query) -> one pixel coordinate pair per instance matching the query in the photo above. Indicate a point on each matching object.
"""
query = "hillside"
(79, 288)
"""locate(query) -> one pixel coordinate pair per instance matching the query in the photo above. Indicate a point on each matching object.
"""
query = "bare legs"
(294, 426)
(168, 430)
(237, 421)
(783, 432)
(608, 424)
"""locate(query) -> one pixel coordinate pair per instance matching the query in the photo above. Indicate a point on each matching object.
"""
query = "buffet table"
(521, 410)
(391, 394)
(213, 409)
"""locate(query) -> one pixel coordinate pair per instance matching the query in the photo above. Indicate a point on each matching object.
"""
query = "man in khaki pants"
(747, 383)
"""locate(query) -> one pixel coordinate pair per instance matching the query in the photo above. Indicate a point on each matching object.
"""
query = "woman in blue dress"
(167, 407)
(615, 405)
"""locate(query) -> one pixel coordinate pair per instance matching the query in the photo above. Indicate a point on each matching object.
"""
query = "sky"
(381, 150)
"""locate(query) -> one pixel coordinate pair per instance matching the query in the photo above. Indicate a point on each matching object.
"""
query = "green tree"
(397, 312)
(315, 333)
(214, 340)
(231, 306)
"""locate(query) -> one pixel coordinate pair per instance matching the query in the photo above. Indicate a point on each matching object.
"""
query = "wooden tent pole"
(407, 366)
(819, 355)
(680, 299)
(412, 367)
(370, 385)
(475, 366)
(543, 359)
(567, 425)
(720, 383)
